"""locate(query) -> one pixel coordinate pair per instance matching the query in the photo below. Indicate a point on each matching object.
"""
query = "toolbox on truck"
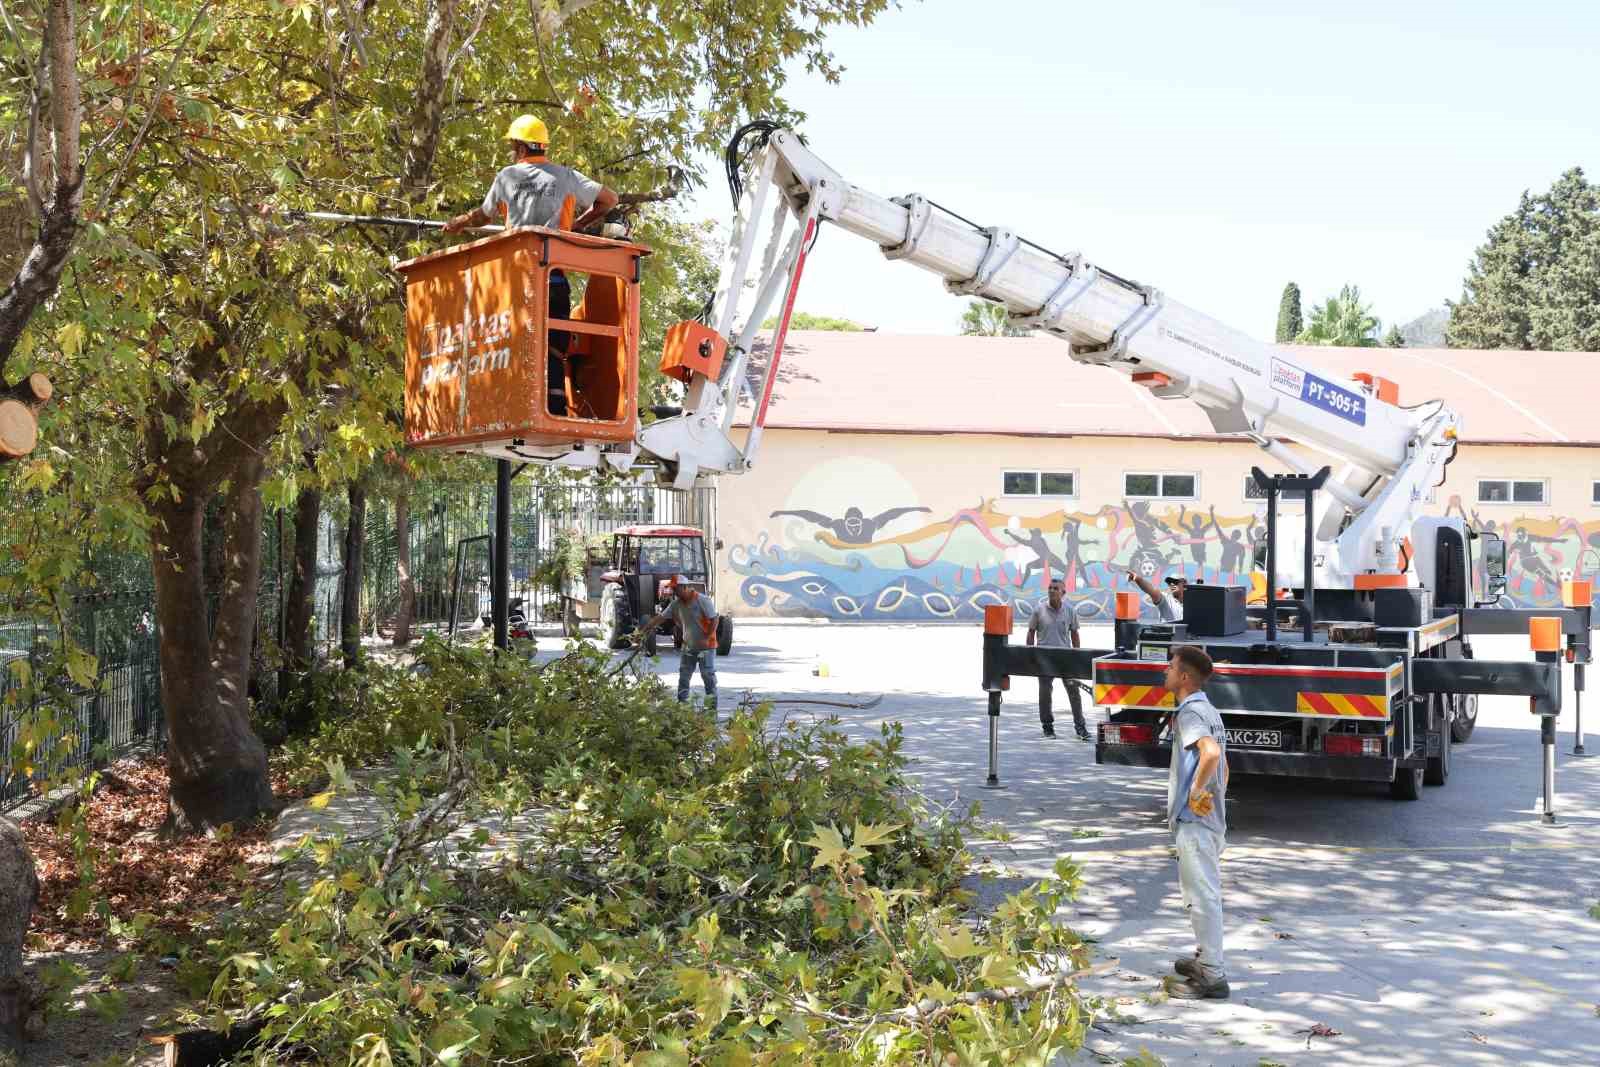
(488, 369)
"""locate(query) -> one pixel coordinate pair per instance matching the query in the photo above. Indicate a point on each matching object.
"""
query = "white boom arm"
(1392, 456)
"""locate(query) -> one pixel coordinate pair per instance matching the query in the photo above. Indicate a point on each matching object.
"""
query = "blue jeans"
(707, 659)
(1200, 878)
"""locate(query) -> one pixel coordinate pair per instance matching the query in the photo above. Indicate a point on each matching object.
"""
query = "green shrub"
(758, 892)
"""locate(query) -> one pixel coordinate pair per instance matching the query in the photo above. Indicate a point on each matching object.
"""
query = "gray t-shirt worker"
(532, 192)
(1054, 624)
(696, 617)
(1197, 816)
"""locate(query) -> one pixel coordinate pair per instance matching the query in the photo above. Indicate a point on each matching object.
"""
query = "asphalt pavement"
(1450, 930)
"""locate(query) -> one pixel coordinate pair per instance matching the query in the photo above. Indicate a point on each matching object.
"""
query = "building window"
(1039, 483)
(1513, 491)
(1145, 486)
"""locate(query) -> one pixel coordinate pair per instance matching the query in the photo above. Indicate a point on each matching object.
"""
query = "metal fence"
(124, 709)
(539, 514)
(91, 727)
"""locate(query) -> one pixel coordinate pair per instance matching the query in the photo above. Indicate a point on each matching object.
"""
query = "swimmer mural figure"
(854, 528)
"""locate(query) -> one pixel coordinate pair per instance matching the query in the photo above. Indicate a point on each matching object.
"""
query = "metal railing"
(124, 709)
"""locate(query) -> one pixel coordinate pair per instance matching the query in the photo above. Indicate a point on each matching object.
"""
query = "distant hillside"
(1426, 331)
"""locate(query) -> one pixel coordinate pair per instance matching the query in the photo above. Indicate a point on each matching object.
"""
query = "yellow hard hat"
(530, 129)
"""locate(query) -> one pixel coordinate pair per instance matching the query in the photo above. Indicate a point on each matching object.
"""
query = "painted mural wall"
(880, 533)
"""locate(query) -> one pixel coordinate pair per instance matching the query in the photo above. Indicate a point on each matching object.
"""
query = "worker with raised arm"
(1163, 601)
(1197, 787)
(533, 191)
(696, 617)
(1054, 624)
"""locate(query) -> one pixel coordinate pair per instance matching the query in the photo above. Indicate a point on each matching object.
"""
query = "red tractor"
(638, 586)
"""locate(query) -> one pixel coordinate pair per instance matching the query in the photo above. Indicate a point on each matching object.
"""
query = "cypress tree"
(1289, 317)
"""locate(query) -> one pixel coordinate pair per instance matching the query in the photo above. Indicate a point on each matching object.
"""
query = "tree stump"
(19, 429)
(19, 892)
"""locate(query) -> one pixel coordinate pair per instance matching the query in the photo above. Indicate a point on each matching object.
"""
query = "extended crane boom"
(1392, 455)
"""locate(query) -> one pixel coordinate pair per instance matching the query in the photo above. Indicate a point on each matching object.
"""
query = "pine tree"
(1393, 338)
(1289, 317)
(1535, 283)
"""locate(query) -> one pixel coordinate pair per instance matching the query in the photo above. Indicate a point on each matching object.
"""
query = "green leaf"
(830, 846)
(957, 943)
(70, 338)
(869, 834)
(82, 667)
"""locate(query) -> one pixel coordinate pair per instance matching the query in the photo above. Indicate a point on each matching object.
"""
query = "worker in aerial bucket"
(533, 191)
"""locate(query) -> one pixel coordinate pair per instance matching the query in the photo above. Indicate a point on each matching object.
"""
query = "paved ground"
(1451, 930)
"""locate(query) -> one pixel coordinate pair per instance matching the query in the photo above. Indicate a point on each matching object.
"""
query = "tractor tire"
(1466, 716)
(1407, 784)
(724, 636)
(614, 623)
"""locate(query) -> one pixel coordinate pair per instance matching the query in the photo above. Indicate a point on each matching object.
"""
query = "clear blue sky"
(1214, 149)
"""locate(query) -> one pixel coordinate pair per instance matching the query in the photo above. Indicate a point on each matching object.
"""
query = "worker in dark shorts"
(1054, 624)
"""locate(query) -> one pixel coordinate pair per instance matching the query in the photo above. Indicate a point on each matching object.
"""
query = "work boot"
(1197, 988)
(1049, 734)
(1188, 966)
(1082, 736)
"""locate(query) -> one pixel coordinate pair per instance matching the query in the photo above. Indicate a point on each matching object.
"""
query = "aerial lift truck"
(1358, 666)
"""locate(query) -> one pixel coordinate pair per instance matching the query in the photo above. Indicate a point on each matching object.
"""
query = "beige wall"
(960, 549)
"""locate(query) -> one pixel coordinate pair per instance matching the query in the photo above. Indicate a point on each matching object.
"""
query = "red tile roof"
(1028, 385)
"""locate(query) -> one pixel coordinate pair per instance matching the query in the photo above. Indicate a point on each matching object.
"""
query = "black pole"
(500, 555)
(1577, 722)
(1308, 581)
(1270, 485)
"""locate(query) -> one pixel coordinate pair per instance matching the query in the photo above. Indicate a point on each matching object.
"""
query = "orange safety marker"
(997, 619)
(1127, 606)
(1544, 633)
(1382, 388)
(1577, 594)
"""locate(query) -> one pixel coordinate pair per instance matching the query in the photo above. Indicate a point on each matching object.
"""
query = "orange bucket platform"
(480, 376)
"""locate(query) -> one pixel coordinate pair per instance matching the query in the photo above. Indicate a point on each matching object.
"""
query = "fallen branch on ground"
(862, 705)
(415, 831)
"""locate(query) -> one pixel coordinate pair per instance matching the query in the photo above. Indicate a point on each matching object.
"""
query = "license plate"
(1255, 738)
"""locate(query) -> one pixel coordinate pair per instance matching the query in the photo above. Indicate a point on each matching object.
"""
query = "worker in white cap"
(696, 617)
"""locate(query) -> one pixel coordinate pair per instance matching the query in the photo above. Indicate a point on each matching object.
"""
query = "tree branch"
(66, 102)
(40, 274)
(675, 182)
(115, 185)
(428, 115)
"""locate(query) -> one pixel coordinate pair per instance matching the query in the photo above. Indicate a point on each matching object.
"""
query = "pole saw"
(379, 220)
